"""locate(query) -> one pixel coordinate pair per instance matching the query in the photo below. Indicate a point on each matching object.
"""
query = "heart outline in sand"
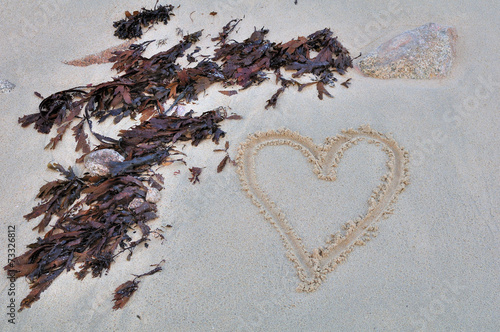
(313, 266)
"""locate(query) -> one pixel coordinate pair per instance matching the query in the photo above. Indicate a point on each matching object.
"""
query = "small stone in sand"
(178, 110)
(423, 53)
(98, 162)
(136, 202)
(153, 195)
(6, 86)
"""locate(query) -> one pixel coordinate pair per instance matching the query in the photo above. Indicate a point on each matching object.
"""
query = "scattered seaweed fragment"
(127, 289)
(163, 130)
(346, 83)
(131, 26)
(228, 93)
(226, 158)
(195, 174)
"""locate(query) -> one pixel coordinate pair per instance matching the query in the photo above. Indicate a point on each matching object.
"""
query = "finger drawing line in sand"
(312, 266)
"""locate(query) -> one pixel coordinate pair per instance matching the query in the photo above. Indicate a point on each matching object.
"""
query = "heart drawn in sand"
(312, 266)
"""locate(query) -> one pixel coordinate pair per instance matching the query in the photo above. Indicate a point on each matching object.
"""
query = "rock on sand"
(423, 53)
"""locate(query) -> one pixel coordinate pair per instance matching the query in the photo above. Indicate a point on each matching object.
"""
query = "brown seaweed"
(226, 158)
(95, 216)
(228, 93)
(346, 83)
(127, 289)
(88, 233)
(131, 26)
(246, 63)
(226, 30)
(57, 196)
(145, 85)
(195, 174)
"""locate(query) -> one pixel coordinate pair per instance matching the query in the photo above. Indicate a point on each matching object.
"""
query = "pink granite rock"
(98, 162)
(423, 53)
(153, 195)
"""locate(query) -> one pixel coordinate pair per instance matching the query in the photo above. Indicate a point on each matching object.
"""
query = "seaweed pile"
(94, 214)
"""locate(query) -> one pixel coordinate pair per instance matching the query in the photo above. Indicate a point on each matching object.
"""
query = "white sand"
(434, 264)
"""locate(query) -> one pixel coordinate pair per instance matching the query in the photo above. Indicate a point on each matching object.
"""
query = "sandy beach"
(428, 150)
